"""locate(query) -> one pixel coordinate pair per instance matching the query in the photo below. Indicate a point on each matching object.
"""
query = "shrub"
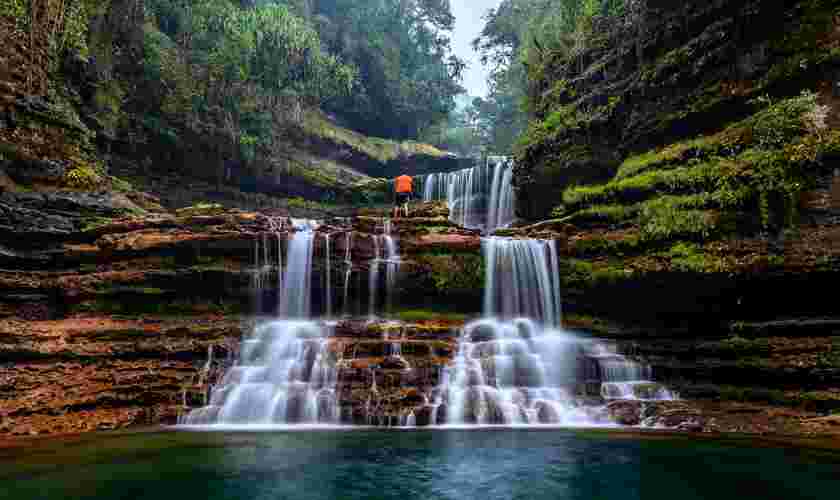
(82, 176)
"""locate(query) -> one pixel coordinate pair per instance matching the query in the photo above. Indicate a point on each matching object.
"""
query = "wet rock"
(6, 182)
(625, 412)
(678, 415)
(16, 219)
(395, 363)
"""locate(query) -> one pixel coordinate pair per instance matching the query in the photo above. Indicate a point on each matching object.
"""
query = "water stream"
(480, 197)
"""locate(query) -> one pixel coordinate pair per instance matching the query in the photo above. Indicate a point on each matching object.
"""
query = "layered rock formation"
(111, 320)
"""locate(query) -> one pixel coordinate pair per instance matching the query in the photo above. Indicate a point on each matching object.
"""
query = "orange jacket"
(404, 184)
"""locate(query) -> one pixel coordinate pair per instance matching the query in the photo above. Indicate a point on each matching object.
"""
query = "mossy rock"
(201, 209)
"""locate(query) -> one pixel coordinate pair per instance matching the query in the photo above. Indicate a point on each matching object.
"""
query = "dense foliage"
(518, 35)
(54, 25)
(407, 75)
(217, 64)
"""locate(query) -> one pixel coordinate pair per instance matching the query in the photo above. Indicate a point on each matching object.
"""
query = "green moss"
(631, 189)
(585, 273)
(430, 315)
(108, 100)
(9, 151)
(298, 202)
(602, 245)
(454, 273)
(756, 394)
(667, 63)
(121, 185)
(670, 222)
(109, 289)
(691, 257)
(761, 163)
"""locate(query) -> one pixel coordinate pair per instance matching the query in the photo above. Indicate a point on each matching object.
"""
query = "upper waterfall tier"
(480, 197)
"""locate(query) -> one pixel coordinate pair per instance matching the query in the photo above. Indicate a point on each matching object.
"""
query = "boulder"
(29, 171)
(625, 412)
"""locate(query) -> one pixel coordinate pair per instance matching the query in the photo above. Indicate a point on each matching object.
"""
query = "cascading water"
(521, 279)
(515, 366)
(328, 294)
(478, 197)
(286, 373)
(385, 252)
(515, 370)
(621, 379)
(348, 271)
(296, 291)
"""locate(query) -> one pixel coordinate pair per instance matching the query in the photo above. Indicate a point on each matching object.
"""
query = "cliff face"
(687, 163)
(689, 150)
(662, 73)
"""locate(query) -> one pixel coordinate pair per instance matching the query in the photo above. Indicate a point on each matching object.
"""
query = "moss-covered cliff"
(662, 73)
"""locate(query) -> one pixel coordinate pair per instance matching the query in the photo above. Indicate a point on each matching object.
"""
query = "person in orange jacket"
(403, 187)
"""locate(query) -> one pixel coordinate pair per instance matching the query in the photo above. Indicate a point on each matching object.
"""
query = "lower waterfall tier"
(489, 372)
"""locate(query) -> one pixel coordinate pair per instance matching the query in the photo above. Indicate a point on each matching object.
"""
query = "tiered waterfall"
(514, 366)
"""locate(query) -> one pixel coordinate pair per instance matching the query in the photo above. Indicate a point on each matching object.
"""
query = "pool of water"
(375, 464)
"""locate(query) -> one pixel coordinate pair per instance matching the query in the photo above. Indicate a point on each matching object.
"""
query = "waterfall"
(328, 273)
(500, 212)
(480, 197)
(392, 265)
(623, 379)
(348, 270)
(385, 251)
(286, 373)
(516, 366)
(296, 287)
(514, 372)
(521, 279)
(373, 277)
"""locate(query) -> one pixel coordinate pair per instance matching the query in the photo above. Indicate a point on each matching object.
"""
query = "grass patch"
(379, 149)
(430, 315)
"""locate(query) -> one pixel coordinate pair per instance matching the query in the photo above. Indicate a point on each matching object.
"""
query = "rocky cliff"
(687, 162)
(662, 73)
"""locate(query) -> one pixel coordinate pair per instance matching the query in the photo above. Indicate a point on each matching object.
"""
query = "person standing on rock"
(403, 187)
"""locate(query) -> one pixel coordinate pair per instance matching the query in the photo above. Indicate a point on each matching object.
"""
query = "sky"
(468, 24)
